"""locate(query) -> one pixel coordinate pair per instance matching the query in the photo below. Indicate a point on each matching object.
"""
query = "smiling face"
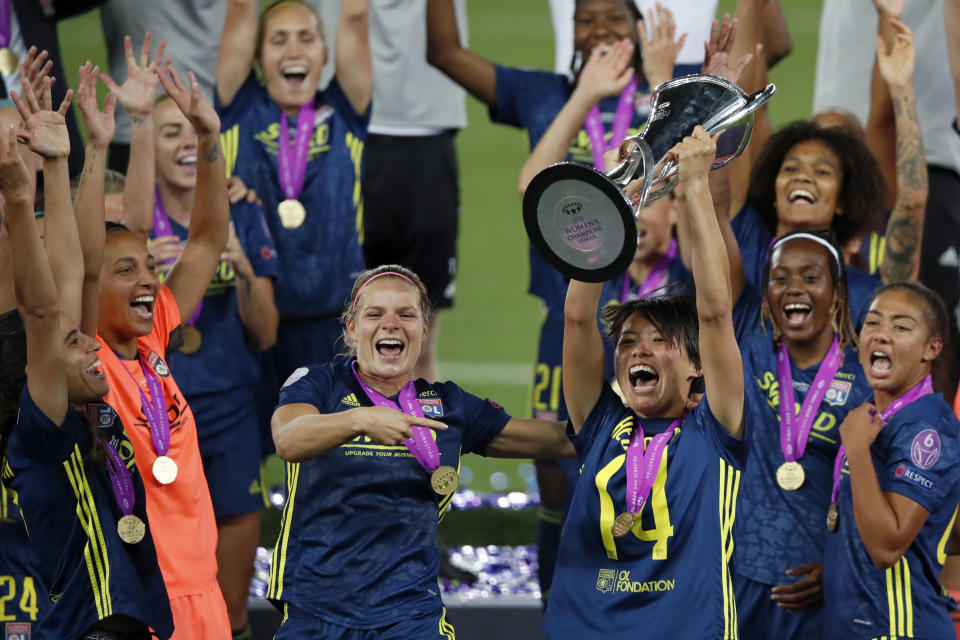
(801, 291)
(896, 348)
(128, 289)
(176, 146)
(808, 187)
(654, 375)
(602, 22)
(85, 382)
(292, 55)
(388, 328)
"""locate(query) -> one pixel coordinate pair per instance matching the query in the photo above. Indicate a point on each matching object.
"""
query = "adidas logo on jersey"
(350, 400)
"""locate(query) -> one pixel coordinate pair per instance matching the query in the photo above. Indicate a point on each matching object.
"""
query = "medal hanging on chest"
(922, 388)
(795, 429)
(292, 165)
(443, 478)
(130, 527)
(642, 467)
(155, 409)
(192, 338)
(8, 59)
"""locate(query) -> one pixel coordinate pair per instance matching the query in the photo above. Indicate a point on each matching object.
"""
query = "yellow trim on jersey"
(727, 501)
(446, 629)
(877, 246)
(900, 598)
(279, 560)
(355, 145)
(230, 143)
(942, 546)
(95, 550)
(445, 502)
(607, 512)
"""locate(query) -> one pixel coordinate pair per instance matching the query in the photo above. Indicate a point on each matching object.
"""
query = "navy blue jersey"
(21, 588)
(71, 514)
(530, 100)
(225, 360)
(754, 240)
(320, 259)
(675, 562)
(778, 530)
(916, 454)
(357, 544)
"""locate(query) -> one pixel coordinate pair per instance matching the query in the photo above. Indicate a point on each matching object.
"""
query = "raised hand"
(100, 125)
(163, 249)
(37, 67)
(15, 183)
(139, 90)
(199, 112)
(237, 190)
(45, 131)
(716, 51)
(607, 71)
(896, 65)
(694, 155)
(234, 255)
(660, 50)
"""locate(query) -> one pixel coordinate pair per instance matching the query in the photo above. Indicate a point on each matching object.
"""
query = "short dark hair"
(861, 192)
(675, 317)
(938, 326)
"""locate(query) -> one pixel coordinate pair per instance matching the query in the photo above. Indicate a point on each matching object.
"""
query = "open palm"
(139, 90)
(44, 131)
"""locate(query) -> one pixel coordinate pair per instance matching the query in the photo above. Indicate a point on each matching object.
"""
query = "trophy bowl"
(583, 223)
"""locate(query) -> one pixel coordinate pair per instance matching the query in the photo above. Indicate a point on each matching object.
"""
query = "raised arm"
(720, 355)
(210, 218)
(255, 303)
(34, 287)
(301, 432)
(901, 257)
(137, 95)
(583, 355)
(89, 206)
(45, 132)
(444, 51)
(603, 75)
(238, 46)
(354, 67)
(880, 133)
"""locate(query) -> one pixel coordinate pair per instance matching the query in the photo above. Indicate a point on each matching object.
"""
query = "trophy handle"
(640, 156)
(754, 101)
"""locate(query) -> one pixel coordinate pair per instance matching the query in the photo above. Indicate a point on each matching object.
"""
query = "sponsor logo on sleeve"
(913, 476)
(925, 448)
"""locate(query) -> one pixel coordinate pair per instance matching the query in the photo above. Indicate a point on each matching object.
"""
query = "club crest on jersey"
(102, 415)
(158, 365)
(431, 407)
(838, 392)
(606, 580)
(16, 631)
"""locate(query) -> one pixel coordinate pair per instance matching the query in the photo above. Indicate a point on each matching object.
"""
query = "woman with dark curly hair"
(806, 177)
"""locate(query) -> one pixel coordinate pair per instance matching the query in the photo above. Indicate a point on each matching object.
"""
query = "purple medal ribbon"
(5, 24)
(922, 388)
(621, 122)
(162, 227)
(121, 480)
(654, 279)
(156, 411)
(421, 445)
(639, 483)
(292, 163)
(793, 436)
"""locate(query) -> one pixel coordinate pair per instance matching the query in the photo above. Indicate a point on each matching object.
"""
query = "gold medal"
(790, 476)
(444, 480)
(833, 517)
(192, 340)
(8, 61)
(131, 529)
(623, 523)
(292, 214)
(164, 469)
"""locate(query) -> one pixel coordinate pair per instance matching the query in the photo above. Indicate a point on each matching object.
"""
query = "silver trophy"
(582, 222)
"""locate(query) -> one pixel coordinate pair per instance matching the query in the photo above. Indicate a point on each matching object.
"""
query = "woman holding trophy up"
(607, 100)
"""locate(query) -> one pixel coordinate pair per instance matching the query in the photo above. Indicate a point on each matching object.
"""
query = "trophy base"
(580, 222)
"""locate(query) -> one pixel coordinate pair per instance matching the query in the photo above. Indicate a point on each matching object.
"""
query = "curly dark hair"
(861, 192)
